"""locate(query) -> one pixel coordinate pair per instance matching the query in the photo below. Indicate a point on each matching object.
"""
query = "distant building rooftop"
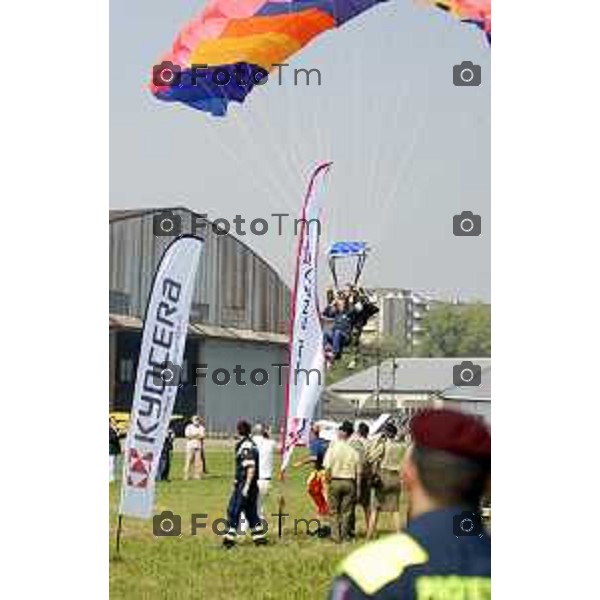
(415, 375)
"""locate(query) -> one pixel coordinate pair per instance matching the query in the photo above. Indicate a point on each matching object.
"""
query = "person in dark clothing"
(316, 485)
(164, 462)
(362, 309)
(339, 336)
(244, 497)
(114, 448)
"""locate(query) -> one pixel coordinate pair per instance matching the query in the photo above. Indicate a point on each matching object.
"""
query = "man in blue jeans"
(339, 336)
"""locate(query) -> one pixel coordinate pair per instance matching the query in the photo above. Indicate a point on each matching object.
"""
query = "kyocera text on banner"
(161, 355)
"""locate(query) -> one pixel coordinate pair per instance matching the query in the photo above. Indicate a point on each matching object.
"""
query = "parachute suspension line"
(283, 162)
(294, 118)
(384, 198)
(384, 189)
(381, 184)
(217, 141)
(254, 127)
(245, 164)
(359, 267)
(378, 151)
(333, 272)
(400, 181)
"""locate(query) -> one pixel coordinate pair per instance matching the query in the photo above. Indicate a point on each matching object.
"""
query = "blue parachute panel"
(348, 249)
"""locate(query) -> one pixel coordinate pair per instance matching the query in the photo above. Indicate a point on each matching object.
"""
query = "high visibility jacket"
(425, 562)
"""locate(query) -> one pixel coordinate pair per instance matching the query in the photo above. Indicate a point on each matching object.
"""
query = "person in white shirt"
(194, 450)
(266, 451)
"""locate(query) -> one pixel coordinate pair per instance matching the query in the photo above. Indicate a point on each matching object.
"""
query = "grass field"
(294, 566)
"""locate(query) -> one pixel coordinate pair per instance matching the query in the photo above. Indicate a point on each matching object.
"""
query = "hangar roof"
(122, 322)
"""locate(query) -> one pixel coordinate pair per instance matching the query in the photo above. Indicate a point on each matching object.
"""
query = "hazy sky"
(410, 150)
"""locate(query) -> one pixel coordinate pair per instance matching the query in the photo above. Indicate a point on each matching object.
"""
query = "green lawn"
(293, 566)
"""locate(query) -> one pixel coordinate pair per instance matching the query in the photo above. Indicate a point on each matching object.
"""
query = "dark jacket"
(114, 443)
(169, 440)
(342, 320)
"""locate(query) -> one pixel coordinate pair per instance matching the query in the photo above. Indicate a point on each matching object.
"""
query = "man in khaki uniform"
(359, 442)
(387, 464)
(342, 466)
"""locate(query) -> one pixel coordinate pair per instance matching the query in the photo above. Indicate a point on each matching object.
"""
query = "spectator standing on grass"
(387, 465)
(444, 551)
(164, 463)
(114, 448)
(266, 451)
(342, 466)
(195, 433)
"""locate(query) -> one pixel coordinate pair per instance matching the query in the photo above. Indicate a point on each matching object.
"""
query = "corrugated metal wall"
(235, 288)
(223, 405)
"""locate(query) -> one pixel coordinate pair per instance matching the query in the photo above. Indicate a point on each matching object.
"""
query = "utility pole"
(394, 367)
(378, 372)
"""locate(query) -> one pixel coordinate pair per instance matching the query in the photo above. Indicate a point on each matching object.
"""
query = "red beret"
(453, 432)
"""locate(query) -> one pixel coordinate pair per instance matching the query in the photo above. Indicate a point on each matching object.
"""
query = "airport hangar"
(239, 316)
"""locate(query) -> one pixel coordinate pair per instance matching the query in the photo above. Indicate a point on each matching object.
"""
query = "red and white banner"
(161, 355)
(306, 373)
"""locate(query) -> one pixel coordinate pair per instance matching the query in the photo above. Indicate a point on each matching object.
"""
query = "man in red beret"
(444, 552)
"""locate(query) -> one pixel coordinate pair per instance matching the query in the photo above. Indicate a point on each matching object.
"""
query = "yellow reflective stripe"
(379, 563)
(453, 587)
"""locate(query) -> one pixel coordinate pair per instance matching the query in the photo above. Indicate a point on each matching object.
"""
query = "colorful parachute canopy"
(234, 43)
(348, 249)
(478, 12)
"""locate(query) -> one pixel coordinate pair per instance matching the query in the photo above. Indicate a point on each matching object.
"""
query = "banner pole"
(119, 529)
(281, 502)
